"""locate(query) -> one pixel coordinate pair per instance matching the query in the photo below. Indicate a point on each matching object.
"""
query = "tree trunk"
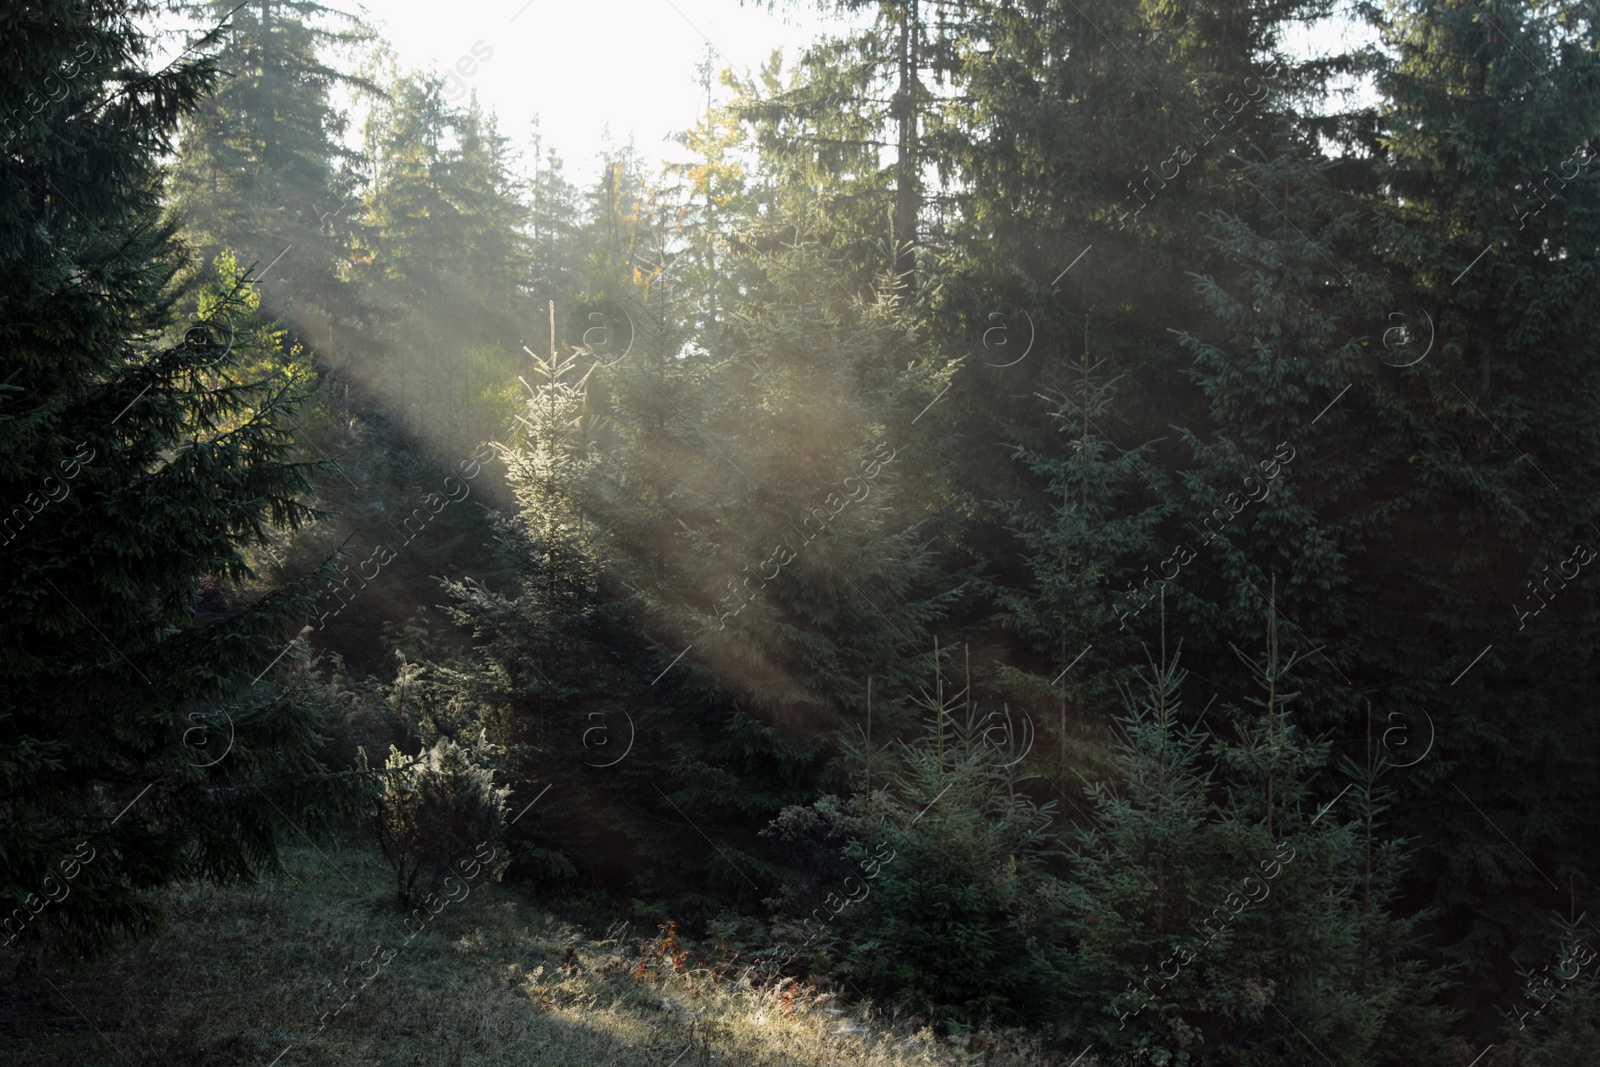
(906, 162)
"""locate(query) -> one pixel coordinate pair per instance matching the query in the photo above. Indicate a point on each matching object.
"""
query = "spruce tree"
(1287, 359)
(849, 99)
(441, 259)
(1222, 914)
(1555, 1022)
(263, 169)
(544, 655)
(932, 890)
(1103, 513)
(148, 738)
(1487, 480)
(554, 219)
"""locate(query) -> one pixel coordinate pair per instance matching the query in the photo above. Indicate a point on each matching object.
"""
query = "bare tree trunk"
(906, 162)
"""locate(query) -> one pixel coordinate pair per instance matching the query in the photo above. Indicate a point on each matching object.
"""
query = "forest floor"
(243, 976)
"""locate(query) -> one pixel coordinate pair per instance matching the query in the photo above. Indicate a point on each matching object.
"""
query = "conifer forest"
(1019, 535)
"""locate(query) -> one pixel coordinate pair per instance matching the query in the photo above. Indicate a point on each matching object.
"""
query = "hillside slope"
(244, 976)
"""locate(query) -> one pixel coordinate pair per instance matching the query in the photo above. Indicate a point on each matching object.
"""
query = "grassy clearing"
(244, 976)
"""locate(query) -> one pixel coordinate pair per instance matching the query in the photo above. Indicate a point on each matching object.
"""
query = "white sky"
(582, 66)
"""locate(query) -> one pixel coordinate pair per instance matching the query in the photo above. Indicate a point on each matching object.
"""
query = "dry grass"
(242, 976)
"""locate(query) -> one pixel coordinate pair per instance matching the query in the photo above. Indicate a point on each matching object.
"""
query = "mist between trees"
(1229, 535)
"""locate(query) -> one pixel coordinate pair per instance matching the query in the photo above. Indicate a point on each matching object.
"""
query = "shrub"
(434, 811)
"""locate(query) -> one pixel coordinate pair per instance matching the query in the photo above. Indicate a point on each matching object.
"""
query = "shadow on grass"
(244, 976)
